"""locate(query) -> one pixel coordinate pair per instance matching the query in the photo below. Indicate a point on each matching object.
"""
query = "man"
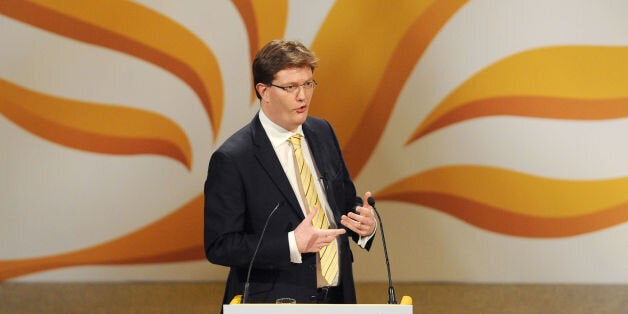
(290, 162)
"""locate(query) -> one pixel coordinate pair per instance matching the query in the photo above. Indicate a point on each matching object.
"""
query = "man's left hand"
(362, 223)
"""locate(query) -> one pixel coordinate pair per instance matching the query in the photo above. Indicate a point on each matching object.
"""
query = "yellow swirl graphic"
(572, 82)
(94, 127)
(183, 241)
(146, 34)
(381, 47)
(514, 203)
(367, 53)
(259, 28)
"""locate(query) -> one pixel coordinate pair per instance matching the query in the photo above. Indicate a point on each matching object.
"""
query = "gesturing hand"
(312, 240)
(362, 223)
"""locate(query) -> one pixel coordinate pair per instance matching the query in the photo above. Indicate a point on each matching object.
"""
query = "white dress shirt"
(278, 137)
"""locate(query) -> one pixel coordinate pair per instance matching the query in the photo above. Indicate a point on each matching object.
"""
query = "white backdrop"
(56, 197)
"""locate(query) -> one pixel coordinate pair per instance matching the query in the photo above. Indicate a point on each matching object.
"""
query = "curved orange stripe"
(145, 34)
(583, 73)
(509, 223)
(531, 106)
(362, 142)
(360, 136)
(175, 237)
(515, 191)
(263, 23)
(271, 20)
(245, 8)
(94, 127)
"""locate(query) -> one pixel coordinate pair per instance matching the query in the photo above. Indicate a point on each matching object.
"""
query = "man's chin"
(297, 122)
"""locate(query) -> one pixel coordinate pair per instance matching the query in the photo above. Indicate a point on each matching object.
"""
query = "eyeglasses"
(307, 86)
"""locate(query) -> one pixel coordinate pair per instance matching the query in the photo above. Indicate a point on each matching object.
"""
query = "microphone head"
(371, 201)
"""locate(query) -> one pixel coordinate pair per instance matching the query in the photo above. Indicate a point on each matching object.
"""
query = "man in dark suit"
(261, 168)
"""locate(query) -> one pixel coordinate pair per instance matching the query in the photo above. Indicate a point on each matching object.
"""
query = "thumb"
(311, 214)
(366, 198)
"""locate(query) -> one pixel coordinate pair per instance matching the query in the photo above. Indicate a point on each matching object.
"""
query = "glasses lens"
(310, 84)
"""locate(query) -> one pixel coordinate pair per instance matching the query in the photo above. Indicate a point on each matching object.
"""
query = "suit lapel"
(267, 157)
(316, 146)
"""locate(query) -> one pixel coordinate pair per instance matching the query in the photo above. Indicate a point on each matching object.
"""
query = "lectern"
(258, 308)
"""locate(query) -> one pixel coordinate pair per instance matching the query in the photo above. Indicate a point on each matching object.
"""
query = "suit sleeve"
(230, 232)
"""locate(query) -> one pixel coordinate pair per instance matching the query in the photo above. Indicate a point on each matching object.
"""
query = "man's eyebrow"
(297, 83)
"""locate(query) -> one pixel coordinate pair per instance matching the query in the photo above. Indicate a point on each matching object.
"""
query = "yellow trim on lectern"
(236, 300)
(406, 300)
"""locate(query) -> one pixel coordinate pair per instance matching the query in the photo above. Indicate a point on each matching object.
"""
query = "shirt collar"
(275, 133)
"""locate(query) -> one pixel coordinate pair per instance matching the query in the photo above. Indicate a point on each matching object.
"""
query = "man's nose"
(301, 92)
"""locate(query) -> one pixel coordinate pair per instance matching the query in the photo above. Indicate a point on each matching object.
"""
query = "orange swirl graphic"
(537, 107)
(375, 63)
(94, 127)
(367, 54)
(149, 36)
(573, 82)
(259, 27)
(146, 245)
(134, 131)
(514, 203)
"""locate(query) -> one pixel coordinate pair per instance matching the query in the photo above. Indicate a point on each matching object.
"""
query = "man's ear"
(262, 90)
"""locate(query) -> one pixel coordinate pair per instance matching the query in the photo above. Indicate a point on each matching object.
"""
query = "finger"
(356, 220)
(349, 223)
(311, 214)
(358, 217)
(365, 211)
(361, 225)
(332, 232)
(366, 197)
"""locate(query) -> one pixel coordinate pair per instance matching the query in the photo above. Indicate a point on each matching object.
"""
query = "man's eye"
(290, 88)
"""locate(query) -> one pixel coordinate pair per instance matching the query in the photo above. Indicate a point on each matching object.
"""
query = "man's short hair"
(278, 55)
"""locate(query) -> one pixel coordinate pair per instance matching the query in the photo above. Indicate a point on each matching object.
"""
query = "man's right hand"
(312, 240)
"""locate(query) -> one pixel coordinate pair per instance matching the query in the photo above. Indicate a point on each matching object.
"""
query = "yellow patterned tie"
(328, 254)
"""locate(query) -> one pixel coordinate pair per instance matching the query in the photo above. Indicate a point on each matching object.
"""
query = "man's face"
(287, 109)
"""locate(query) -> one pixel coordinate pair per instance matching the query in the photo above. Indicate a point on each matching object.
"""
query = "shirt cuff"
(364, 240)
(295, 256)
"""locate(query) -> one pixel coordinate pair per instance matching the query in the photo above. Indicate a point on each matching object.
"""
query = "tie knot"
(295, 140)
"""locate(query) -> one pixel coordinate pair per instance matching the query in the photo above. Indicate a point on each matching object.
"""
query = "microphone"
(391, 290)
(245, 294)
(323, 179)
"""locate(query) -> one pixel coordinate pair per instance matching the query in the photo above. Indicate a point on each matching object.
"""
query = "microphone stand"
(391, 289)
(245, 294)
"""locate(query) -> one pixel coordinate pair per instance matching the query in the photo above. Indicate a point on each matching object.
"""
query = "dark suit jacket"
(245, 181)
